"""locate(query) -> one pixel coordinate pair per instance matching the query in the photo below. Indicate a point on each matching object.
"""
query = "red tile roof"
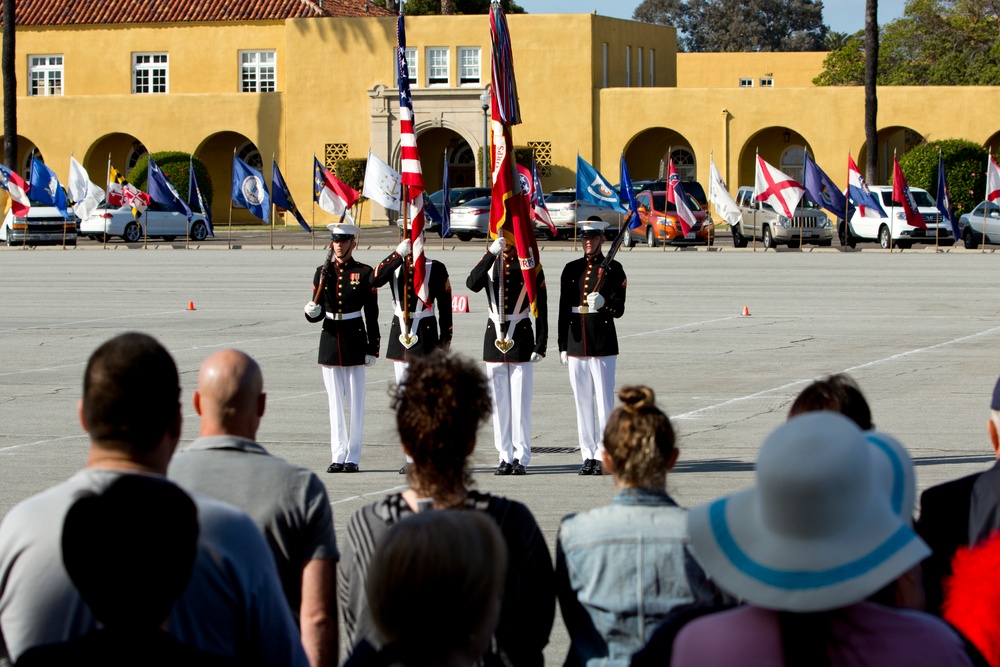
(89, 12)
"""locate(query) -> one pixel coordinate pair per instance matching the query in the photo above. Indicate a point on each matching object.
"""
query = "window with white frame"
(258, 71)
(766, 82)
(793, 162)
(45, 75)
(411, 65)
(604, 64)
(628, 66)
(746, 83)
(468, 66)
(652, 65)
(638, 68)
(437, 66)
(150, 73)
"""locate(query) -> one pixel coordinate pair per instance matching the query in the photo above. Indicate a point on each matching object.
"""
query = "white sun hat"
(894, 473)
(816, 532)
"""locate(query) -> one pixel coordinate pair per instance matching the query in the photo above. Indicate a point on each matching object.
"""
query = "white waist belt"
(343, 316)
(508, 318)
(584, 310)
(414, 316)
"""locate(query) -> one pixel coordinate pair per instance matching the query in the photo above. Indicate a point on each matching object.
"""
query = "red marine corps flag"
(413, 177)
(509, 208)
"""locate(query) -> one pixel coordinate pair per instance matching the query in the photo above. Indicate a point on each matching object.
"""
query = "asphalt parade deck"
(918, 330)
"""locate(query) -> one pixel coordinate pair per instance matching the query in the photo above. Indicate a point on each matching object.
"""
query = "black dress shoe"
(597, 468)
(402, 471)
(335, 467)
(588, 467)
(351, 467)
(518, 468)
(504, 468)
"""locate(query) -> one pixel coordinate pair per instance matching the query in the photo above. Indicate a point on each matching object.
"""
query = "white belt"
(419, 315)
(509, 318)
(343, 316)
(584, 310)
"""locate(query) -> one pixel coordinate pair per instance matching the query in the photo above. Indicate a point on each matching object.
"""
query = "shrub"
(964, 164)
(174, 165)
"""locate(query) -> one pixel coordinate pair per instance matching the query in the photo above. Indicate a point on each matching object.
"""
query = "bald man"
(288, 503)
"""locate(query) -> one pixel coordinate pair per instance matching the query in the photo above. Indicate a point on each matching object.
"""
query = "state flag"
(17, 188)
(330, 193)
(776, 189)
(901, 195)
(45, 187)
(249, 190)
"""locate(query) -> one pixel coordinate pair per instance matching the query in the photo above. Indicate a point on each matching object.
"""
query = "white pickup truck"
(758, 220)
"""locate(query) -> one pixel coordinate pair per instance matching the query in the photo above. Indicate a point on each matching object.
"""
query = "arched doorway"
(432, 144)
(216, 153)
(124, 150)
(646, 155)
(895, 140)
(780, 147)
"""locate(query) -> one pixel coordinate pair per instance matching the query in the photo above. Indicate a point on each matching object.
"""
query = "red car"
(659, 224)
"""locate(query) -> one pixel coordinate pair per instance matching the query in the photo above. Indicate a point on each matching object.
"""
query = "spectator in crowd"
(439, 407)
(233, 605)
(972, 596)
(960, 513)
(288, 503)
(621, 569)
(805, 547)
(434, 588)
(837, 393)
(130, 552)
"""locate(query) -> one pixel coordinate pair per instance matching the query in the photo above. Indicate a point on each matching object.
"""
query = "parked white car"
(43, 225)
(471, 219)
(158, 221)
(971, 225)
(873, 227)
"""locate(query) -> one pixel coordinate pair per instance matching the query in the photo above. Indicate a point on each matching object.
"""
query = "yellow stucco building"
(294, 80)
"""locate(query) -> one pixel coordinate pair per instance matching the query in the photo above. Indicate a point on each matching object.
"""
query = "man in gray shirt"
(287, 502)
(131, 410)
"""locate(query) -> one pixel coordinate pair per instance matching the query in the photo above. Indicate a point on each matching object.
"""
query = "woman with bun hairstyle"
(621, 569)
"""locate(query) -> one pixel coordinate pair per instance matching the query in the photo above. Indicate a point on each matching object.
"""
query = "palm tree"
(871, 98)
(447, 7)
(9, 70)
(834, 41)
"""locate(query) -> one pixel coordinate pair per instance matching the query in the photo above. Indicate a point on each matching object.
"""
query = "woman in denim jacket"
(621, 569)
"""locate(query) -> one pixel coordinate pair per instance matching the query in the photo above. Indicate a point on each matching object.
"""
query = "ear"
(606, 461)
(991, 428)
(79, 413)
(673, 459)
(261, 404)
(197, 403)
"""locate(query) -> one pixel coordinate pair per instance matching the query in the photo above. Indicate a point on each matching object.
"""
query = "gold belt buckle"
(584, 310)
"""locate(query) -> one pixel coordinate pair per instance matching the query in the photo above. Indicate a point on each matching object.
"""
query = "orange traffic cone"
(191, 305)
(746, 311)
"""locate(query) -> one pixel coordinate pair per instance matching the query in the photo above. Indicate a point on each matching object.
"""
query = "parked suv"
(759, 220)
(42, 225)
(873, 227)
(658, 223)
(565, 210)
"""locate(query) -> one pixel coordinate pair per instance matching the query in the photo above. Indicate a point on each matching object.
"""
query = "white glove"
(595, 301)
(564, 357)
(313, 310)
(370, 360)
(497, 247)
(535, 357)
(404, 248)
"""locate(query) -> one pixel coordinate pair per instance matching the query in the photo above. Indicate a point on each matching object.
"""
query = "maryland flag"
(509, 207)
(121, 192)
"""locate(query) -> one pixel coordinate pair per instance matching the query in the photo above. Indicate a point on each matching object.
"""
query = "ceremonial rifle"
(325, 271)
(602, 270)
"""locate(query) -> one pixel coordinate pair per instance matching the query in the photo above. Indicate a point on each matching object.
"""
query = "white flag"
(992, 180)
(719, 195)
(382, 183)
(776, 189)
(85, 195)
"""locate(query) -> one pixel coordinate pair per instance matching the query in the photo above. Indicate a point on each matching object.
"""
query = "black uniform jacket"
(591, 334)
(348, 289)
(426, 328)
(525, 341)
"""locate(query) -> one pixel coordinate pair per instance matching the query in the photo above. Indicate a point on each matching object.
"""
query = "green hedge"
(351, 171)
(964, 163)
(174, 165)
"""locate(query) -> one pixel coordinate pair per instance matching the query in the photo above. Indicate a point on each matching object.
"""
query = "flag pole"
(72, 152)
(847, 204)
(806, 151)
(312, 224)
(892, 217)
(444, 202)
(404, 210)
(986, 201)
(230, 239)
(937, 232)
(670, 149)
(104, 235)
(271, 233)
(756, 204)
(187, 228)
(711, 160)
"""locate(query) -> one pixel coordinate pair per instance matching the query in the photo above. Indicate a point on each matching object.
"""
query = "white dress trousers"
(511, 388)
(593, 382)
(345, 386)
(399, 367)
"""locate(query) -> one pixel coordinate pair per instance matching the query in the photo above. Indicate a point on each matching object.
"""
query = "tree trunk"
(447, 7)
(871, 98)
(9, 71)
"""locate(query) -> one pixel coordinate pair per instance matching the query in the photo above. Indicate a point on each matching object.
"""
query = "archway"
(781, 147)
(25, 149)
(646, 155)
(891, 140)
(432, 144)
(124, 151)
(993, 143)
(216, 153)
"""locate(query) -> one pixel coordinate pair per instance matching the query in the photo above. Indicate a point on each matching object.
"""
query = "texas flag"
(992, 180)
(332, 195)
(17, 188)
(677, 197)
(776, 189)
(901, 195)
(858, 193)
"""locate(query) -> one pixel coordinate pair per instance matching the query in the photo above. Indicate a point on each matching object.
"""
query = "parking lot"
(917, 329)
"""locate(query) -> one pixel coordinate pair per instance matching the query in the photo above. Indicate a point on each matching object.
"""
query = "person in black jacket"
(427, 326)
(588, 341)
(348, 307)
(510, 347)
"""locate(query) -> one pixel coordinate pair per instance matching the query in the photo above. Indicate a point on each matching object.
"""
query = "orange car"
(658, 223)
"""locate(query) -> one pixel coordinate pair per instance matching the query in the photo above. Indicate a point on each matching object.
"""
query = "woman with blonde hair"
(621, 569)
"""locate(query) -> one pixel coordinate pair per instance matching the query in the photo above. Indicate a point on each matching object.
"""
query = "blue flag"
(162, 191)
(446, 203)
(594, 188)
(283, 197)
(45, 187)
(943, 200)
(249, 190)
(195, 198)
(628, 196)
(822, 191)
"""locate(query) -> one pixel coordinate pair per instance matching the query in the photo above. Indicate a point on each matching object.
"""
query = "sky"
(840, 15)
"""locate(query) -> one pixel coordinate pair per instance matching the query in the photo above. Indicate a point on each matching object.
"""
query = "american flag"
(413, 177)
